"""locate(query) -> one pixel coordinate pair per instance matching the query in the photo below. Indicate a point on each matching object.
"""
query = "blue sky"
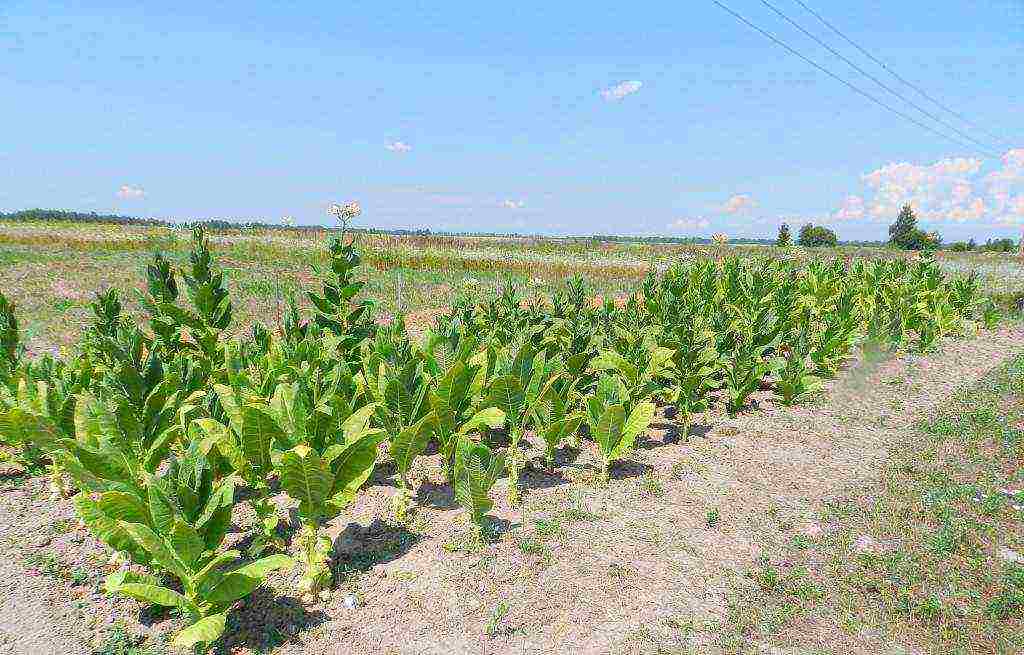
(482, 116)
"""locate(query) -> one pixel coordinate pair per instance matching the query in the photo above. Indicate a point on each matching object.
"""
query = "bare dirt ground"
(648, 563)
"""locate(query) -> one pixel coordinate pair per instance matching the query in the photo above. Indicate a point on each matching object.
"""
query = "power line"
(875, 79)
(900, 77)
(851, 86)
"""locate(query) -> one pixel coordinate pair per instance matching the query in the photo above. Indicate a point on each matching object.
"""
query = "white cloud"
(621, 90)
(398, 146)
(738, 203)
(934, 189)
(962, 213)
(951, 190)
(689, 224)
(129, 192)
(513, 204)
(851, 209)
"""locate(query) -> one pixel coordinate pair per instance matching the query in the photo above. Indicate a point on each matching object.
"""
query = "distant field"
(51, 270)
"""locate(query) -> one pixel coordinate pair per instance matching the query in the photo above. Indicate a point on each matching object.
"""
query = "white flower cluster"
(345, 212)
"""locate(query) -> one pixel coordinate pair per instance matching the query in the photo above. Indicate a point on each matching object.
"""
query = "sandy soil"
(628, 567)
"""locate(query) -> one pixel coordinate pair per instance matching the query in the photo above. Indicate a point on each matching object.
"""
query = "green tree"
(905, 234)
(784, 238)
(902, 231)
(816, 235)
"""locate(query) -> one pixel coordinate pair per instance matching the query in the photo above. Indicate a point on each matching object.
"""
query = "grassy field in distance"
(50, 270)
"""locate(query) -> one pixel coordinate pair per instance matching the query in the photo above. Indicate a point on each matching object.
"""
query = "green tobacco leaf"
(476, 469)
(411, 442)
(229, 402)
(121, 506)
(214, 565)
(358, 421)
(636, 424)
(186, 542)
(204, 631)
(398, 400)
(287, 405)
(608, 431)
(105, 528)
(241, 582)
(661, 359)
(306, 478)
(354, 465)
(259, 431)
(107, 464)
(492, 417)
(507, 394)
(148, 593)
(19, 427)
(215, 434)
(157, 549)
(609, 360)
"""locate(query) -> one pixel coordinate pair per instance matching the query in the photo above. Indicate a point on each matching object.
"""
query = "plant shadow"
(436, 495)
(264, 621)
(383, 475)
(627, 469)
(494, 528)
(670, 436)
(360, 547)
(538, 476)
(699, 430)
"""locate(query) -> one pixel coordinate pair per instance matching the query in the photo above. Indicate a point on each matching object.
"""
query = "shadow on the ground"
(699, 430)
(383, 475)
(264, 621)
(433, 494)
(626, 469)
(670, 436)
(494, 528)
(537, 476)
(361, 547)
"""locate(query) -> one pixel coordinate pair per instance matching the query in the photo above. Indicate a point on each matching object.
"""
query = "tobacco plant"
(518, 389)
(324, 482)
(611, 425)
(477, 467)
(795, 377)
(180, 526)
(247, 444)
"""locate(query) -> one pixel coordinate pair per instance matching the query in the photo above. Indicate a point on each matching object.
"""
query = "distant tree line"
(62, 216)
(991, 245)
(903, 234)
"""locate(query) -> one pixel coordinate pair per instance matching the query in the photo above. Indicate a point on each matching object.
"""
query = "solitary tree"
(901, 233)
(785, 238)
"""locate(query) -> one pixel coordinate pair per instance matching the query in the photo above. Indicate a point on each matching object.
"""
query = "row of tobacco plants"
(154, 425)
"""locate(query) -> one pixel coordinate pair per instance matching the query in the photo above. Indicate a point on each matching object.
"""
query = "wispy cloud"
(621, 90)
(689, 224)
(398, 146)
(513, 204)
(738, 203)
(129, 192)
